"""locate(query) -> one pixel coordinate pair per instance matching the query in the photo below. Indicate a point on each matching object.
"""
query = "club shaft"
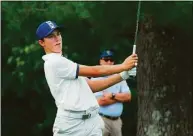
(134, 49)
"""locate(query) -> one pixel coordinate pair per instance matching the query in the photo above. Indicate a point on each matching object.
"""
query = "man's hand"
(106, 99)
(107, 95)
(130, 62)
(120, 97)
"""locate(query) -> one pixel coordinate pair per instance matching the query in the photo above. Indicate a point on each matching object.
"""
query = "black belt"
(109, 117)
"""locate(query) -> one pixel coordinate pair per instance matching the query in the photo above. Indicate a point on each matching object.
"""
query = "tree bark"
(164, 81)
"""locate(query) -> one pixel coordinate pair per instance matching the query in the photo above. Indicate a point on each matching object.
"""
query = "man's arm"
(118, 97)
(97, 71)
(124, 94)
(122, 97)
(103, 101)
(99, 85)
(100, 70)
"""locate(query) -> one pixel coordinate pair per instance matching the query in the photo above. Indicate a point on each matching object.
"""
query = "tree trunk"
(164, 81)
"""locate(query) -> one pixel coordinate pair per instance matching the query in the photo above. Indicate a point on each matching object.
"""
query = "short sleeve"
(65, 68)
(124, 87)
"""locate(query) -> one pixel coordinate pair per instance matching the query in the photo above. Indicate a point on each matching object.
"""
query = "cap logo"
(51, 25)
(108, 52)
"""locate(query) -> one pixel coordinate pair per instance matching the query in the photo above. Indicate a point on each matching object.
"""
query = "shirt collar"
(47, 56)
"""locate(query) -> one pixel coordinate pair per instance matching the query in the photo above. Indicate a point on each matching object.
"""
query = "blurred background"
(28, 108)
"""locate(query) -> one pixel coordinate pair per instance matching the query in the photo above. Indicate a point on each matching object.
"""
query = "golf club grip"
(134, 49)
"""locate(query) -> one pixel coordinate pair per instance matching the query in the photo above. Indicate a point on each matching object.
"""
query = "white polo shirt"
(69, 90)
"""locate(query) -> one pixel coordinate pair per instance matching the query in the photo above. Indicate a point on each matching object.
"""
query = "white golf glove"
(132, 72)
(126, 74)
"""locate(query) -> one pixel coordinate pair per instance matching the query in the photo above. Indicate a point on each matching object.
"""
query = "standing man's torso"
(115, 109)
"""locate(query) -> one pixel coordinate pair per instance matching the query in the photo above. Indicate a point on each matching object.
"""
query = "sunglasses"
(108, 59)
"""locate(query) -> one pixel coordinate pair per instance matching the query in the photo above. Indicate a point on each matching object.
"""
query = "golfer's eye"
(50, 36)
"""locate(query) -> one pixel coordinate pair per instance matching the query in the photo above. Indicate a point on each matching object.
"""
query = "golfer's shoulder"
(50, 60)
(59, 60)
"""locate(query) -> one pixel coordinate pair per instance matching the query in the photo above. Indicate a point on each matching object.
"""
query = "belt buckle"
(86, 116)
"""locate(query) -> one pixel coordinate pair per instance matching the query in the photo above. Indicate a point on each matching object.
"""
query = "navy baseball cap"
(46, 28)
(106, 53)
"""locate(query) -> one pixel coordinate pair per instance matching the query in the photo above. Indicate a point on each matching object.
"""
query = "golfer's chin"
(60, 52)
(57, 51)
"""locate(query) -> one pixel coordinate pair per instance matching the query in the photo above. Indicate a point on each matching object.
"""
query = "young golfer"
(77, 107)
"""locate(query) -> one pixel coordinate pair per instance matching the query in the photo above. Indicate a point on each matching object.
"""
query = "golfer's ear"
(41, 42)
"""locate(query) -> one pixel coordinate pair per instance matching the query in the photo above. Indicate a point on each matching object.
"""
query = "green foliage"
(89, 28)
(170, 13)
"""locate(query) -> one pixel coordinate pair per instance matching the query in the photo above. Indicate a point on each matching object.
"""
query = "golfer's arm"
(123, 97)
(100, 70)
(103, 101)
(99, 85)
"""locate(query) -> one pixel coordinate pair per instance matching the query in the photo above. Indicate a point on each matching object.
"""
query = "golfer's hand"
(130, 62)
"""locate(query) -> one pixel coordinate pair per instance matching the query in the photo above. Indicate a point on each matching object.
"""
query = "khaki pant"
(69, 126)
(112, 127)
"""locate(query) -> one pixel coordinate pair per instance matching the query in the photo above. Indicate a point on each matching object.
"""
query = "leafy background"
(28, 108)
